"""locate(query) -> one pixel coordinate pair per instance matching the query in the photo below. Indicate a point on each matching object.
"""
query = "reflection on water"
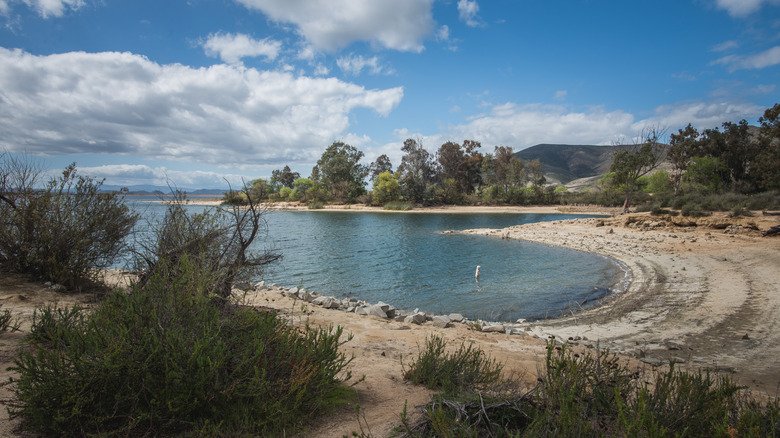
(405, 260)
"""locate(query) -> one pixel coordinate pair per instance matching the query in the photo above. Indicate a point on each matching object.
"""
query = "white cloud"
(700, 114)
(467, 10)
(764, 59)
(52, 8)
(743, 8)
(140, 174)
(232, 47)
(726, 45)
(123, 103)
(332, 24)
(560, 95)
(354, 64)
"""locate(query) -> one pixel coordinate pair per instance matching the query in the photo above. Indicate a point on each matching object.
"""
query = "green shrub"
(7, 321)
(466, 369)
(64, 232)
(400, 206)
(162, 359)
(594, 395)
(234, 197)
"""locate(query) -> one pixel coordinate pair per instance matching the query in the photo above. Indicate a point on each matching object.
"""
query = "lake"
(405, 260)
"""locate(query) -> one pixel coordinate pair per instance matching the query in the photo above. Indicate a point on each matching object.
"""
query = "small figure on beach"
(476, 274)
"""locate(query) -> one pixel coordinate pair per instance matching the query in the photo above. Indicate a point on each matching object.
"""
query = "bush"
(64, 232)
(216, 241)
(163, 360)
(466, 369)
(399, 205)
(598, 395)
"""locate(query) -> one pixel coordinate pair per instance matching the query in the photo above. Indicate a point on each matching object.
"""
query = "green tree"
(381, 165)
(658, 182)
(707, 172)
(630, 162)
(767, 163)
(339, 169)
(502, 162)
(684, 145)
(386, 188)
(284, 178)
(416, 171)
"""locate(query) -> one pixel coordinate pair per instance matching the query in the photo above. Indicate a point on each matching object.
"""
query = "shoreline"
(705, 293)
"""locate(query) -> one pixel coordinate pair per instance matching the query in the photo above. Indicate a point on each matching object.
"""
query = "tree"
(684, 145)
(416, 171)
(450, 162)
(633, 161)
(381, 165)
(285, 177)
(501, 164)
(386, 188)
(339, 169)
(767, 163)
(534, 170)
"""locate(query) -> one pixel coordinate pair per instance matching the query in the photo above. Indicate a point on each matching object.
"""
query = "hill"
(564, 163)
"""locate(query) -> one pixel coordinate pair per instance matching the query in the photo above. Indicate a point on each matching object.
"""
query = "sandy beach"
(704, 292)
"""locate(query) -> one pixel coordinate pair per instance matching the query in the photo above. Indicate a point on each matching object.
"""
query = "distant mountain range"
(563, 163)
(147, 189)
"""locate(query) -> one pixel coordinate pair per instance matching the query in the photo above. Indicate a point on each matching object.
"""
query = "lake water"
(405, 260)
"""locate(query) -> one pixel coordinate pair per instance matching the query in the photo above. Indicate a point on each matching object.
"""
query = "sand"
(706, 293)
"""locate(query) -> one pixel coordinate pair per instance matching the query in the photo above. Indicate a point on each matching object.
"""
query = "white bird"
(476, 274)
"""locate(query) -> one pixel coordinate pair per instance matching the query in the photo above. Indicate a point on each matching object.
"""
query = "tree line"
(735, 158)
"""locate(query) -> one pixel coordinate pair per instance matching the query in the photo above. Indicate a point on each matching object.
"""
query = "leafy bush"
(7, 321)
(594, 395)
(401, 206)
(165, 359)
(466, 369)
(65, 231)
(234, 197)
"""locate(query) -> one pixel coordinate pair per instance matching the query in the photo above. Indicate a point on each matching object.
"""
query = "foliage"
(466, 369)
(339, 169)
(284, 178)
(7, 321)
(162, 359)
(659, 182)
(398, 205)
(63, 232)
(386, 188)
(235, 198)
(416, 171)
(767, 163)
(595, 394)
(216, 240)
(630, 162)
(380, 166)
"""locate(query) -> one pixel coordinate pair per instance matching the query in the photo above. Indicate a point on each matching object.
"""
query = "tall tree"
(381, 165)
(339, 169)
(450, 160)
(767, 165)
(683, 147)
(635, 160)
(416, 171)
(285, 177)
(472, 161)
(503, 156)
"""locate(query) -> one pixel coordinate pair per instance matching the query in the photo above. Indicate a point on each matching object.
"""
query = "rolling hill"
(565, 163)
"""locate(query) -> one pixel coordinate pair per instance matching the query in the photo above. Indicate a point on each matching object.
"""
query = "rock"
(455, 317)
(441, 321)
(417, 318)
(672, 346)
(260, 285)
(58, 288)
(379, 310)
(653, 361)
(494, 328)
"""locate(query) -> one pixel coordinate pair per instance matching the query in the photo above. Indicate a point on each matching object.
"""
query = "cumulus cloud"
(333, 24)
(123, 103)
(761, 60)
(699, 114)
(354, 64)
(467, 10)
(231, 48)
(743, 8)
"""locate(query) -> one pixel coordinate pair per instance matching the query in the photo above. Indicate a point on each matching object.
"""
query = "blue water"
(404, 259)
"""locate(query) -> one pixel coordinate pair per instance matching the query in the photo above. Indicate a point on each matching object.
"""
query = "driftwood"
(772, 231)
(771, 213)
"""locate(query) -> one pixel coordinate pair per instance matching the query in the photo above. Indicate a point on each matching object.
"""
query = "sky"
(195, 93)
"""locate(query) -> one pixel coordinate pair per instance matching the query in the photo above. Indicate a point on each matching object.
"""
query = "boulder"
(456, 317)
(417, 318)
(379, 310)
(441, 321)
(494, 328)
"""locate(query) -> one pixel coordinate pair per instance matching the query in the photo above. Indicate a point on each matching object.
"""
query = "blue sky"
(195, 91)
